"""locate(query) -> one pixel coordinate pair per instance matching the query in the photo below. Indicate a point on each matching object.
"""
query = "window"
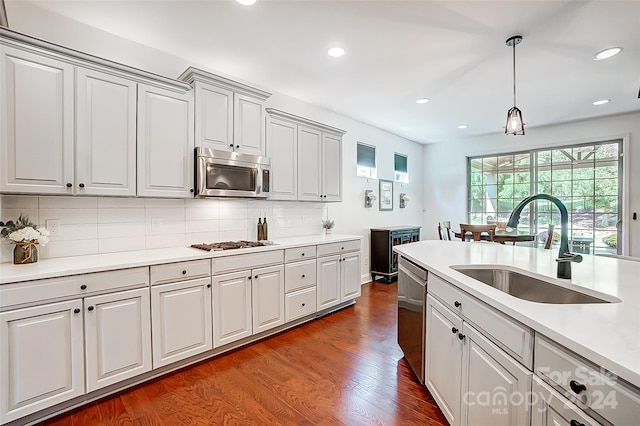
(586, 178)
(366, 161)
(401, 173)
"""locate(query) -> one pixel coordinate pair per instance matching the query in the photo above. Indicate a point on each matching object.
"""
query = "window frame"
(367, 171)
(399, 176)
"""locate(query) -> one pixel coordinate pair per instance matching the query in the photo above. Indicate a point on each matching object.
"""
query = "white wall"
(445, 167)
(350, 215)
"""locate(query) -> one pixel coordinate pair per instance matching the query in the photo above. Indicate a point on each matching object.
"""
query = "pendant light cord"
(514, 74)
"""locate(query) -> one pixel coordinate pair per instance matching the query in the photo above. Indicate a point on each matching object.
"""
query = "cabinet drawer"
(221, 265)
(299, 304)
(603, 393)
(75, 285)
(551, 408)
(337, 248)
(180, 271)
(299, 275)
(507, 333)
(299, 253)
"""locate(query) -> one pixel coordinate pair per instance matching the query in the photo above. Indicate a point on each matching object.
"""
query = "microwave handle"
(265, 180)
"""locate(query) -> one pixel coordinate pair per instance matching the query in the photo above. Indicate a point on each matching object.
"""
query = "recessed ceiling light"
(607, 53)
(247, 2)
(462, 126)
(602, 101)
(336, 52)
(422, 101)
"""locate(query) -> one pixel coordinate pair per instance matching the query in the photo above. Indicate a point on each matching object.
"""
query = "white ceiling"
(452, 52)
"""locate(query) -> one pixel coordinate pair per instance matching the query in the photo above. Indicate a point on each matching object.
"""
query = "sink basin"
(526, 287)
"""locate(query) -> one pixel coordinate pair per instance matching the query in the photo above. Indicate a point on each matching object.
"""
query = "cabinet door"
(495, 386)
(231, 307)
(165, 143)
(350, 274)
(181, 320)
(214, 117)
(549, 408)
(117, 337)
(443, 359)
(309, 161)
(267, 294)
(41, 362)
(282, 148)
(248, 124)
(331, 168)
(328, 285)
(36, 123)
(105, 134)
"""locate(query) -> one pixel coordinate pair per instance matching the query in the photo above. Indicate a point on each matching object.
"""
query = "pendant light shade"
(515, 124)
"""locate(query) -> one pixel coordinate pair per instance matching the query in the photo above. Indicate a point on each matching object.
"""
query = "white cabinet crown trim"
(276, 113)
(191, 75)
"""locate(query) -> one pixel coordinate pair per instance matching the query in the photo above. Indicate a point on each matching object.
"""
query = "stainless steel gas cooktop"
(228, 245)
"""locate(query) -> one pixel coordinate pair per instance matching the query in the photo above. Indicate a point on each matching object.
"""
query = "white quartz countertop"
(49, 268)
(607, 334)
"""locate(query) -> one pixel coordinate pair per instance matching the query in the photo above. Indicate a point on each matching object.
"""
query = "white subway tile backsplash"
(91, 225)
(58, 202)
(113, 245)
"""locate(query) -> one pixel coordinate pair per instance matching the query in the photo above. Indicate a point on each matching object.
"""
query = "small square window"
(366, 161)
(401, 173)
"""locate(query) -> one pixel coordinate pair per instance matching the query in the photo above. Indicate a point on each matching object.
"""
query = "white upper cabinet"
(282, 148)
(106, 134)
(228, 115)
(36, 113)
(165, 142)
(306, 158)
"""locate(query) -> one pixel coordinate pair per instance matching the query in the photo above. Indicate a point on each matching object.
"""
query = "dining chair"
(477, 230)
(444, 230)
(547, 244)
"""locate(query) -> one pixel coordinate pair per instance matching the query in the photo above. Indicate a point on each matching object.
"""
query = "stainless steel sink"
(526, 287)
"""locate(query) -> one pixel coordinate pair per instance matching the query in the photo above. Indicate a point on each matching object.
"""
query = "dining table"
(502, 236)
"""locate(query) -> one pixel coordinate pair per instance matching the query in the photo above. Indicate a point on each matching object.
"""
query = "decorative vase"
(25, 252)
(327, 230)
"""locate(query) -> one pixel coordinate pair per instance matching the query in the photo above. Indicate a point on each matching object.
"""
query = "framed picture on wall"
(386, 194)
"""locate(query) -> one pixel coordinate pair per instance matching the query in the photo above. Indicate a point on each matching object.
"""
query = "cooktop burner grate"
(227, 245)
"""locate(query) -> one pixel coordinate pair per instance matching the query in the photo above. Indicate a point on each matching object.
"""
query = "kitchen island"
(605, 337)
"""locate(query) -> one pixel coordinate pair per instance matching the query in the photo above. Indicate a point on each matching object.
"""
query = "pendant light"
(515, 125)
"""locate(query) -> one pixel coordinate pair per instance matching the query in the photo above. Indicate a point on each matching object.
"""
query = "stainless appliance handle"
(413, 276)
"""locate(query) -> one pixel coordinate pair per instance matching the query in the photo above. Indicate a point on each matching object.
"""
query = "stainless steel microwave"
(231, 174)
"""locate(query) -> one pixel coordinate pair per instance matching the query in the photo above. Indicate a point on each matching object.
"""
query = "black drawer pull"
(81, 185)
(461, 336)
(302, 254)
(303, 304)
(303, 275)
(69, 185)
(577, 387)
(76, 311)
(83, 287)
(457, 304)
(184, 272)
(454, 330)
(90, 308)
(574, 422)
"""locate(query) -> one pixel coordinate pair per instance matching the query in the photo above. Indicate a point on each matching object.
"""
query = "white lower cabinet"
(549, 408)
(41, 360)
(247, 302)
(181, 320)
(473, 381)
(338, 279)
(117, 337)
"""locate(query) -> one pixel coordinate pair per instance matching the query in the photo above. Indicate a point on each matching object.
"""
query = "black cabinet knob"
(231, 145)
(303, 304)
(184, 272)
(249, 277)
(577, 387)
(574, 422)
(81, 185)
(76, 311)
(69, 185)
(341, 248)
(457, 304)
(256, 277)
(237, 146)
(303, 275)
(191, 190)
(302, 254)
(461, 336)
(208, 285)
(90, 308)
(454, 330)
(83, 287)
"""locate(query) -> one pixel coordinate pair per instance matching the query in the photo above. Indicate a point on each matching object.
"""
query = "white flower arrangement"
(23, 231)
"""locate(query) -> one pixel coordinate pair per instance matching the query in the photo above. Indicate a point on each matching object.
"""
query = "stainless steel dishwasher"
(412, 295)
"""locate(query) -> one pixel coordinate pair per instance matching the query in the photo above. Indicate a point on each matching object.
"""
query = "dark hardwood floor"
(345, 368)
